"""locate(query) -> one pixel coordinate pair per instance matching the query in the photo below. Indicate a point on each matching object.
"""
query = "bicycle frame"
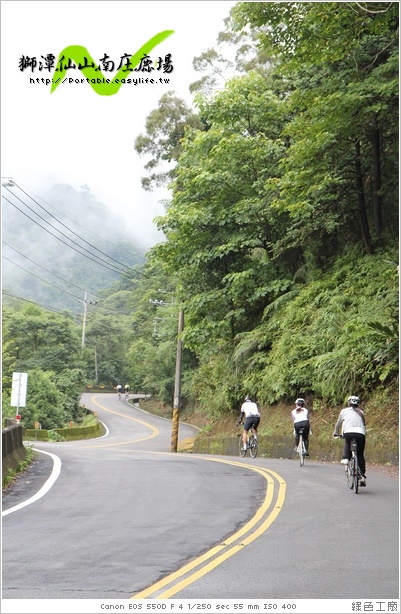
(301, 448)
(252, 444)
(352, 470)
(353, 466)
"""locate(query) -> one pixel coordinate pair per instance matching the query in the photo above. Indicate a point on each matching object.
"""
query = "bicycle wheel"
(253, 446)
(356, 474)
(301, 451)
(242, 452)
(350, 473)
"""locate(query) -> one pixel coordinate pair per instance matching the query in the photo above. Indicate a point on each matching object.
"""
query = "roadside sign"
(18, 391)
(18, 417)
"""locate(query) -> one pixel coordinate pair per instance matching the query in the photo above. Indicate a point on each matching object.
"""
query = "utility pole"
(177, 384)
(177, 380)
(85, 302)
(96, 372)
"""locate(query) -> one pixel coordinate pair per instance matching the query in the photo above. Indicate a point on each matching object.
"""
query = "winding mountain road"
(121, 517)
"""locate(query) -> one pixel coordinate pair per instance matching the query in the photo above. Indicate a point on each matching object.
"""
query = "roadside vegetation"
(10, 476)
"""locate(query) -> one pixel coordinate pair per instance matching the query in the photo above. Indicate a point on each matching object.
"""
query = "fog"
(57, 247)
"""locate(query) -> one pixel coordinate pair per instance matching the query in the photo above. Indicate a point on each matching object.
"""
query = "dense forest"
(281, 235)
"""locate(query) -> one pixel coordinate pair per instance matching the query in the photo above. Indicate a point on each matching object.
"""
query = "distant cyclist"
(352, 420)
(300, 418)
(250, 411)
(119, 389)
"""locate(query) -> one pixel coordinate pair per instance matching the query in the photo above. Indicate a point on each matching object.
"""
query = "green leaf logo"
(80, 55)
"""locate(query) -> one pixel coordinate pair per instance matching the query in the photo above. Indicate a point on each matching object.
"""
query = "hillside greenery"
(281, 240)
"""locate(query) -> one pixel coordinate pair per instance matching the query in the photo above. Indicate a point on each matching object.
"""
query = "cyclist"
(250, 410)
(352, 420)
(126, 388)
(119, 388)
(300, 418)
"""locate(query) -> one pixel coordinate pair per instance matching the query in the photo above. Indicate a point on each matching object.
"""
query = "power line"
(56, 229)
(114, 270)
(7, 293)
(71, 220)
(78, 315)
(58, 277)
(125, 266)
(43, 268)
(37, 277)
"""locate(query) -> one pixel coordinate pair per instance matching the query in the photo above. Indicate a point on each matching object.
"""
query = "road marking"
(261, 521)
(45, 488)
(154, 430)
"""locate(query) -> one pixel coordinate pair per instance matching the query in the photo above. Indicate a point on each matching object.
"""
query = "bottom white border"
(187, 606)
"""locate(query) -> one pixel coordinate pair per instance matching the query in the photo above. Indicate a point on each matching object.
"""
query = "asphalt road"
(122, 517)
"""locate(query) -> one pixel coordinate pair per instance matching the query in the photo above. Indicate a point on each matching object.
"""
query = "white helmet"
(353, 401)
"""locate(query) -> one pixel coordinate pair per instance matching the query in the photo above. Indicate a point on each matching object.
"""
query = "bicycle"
(301, 450)
(352, 469)
(119, 395)
(252, 443)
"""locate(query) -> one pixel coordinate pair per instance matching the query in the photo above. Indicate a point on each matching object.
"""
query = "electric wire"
(26, 300)
(19, 184)
(59, 231)
(68, 218)
(41, 279)
(125, 266)
(114, 270)
(44, 269)
(58, 277)
(60, 311)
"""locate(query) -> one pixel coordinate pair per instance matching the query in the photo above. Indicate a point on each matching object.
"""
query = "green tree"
(43, 402)
(220, 226)
(165, 128)
(39, 339)
(342, 62)
(70, 384)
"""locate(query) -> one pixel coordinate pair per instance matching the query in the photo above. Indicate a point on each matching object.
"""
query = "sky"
(75, 135)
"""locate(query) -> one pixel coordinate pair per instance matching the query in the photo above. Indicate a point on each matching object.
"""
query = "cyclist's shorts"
(251, 421)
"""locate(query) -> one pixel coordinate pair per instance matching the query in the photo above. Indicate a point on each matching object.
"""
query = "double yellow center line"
(261, 521)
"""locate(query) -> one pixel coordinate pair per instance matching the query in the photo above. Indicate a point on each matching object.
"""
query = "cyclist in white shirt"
(352, 420)
(300, 418)
(250, 411)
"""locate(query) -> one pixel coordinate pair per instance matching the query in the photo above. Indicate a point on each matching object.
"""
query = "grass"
(12, 474)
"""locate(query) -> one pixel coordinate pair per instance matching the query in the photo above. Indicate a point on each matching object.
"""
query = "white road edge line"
(45, 488)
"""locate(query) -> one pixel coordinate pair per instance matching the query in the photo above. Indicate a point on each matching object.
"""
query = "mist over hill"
(63, 244)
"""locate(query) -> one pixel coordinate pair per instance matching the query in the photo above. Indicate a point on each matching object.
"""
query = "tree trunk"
(377, 201)
(361, 200)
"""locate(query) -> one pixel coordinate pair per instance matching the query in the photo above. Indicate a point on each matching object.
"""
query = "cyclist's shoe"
(244, 447)
(306, 454)
(344, 461)
(362, 481)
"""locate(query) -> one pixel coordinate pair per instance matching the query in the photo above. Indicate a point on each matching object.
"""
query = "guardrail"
(13, 447)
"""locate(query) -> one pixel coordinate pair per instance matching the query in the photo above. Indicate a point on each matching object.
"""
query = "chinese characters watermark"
(76, 57)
